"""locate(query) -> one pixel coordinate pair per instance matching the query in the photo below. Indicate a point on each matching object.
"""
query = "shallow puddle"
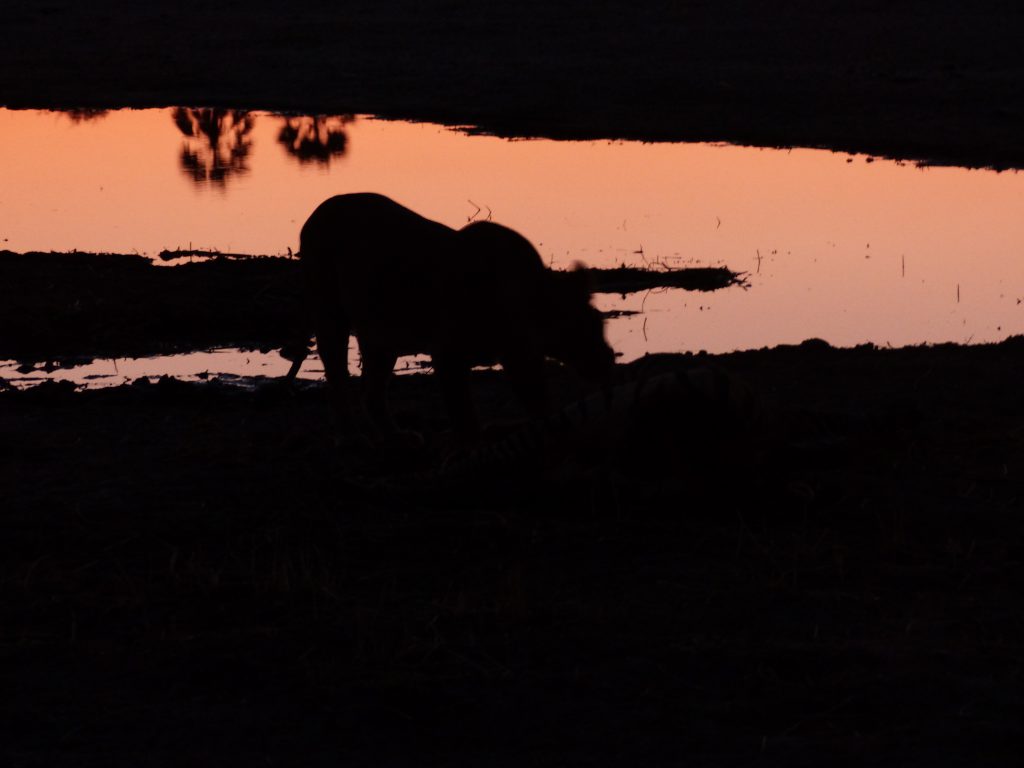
(239, 366)
(194, 366)
(848, 249)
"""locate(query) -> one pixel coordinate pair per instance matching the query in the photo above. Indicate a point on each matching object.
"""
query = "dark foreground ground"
(193, 574)
(925, 79)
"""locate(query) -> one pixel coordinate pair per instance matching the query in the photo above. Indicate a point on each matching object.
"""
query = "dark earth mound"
(193, 573)
(924, 79)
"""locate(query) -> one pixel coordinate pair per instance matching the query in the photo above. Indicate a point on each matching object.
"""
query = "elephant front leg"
(525, 372)
(378, 367)
(332, 337)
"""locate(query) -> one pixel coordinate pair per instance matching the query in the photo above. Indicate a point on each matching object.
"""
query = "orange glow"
(849, 251)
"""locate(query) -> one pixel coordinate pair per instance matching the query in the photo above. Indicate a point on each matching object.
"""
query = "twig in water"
(643, 301)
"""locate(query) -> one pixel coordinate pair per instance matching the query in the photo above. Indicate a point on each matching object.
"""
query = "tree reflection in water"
(85, 115)
(315, 139)
(217, 142)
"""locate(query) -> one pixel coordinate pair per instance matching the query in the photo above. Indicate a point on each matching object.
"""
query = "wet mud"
(102, 305)
(195, 570)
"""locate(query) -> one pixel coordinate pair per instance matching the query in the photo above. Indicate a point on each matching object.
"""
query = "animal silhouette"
(403, 284)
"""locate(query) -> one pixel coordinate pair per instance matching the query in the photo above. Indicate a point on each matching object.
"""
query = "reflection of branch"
(478, 211)
(216, 143)
(184, 120)
(315, 138)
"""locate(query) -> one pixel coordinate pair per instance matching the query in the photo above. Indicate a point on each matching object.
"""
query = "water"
(848, 249)
(226, 363)
(239, 366)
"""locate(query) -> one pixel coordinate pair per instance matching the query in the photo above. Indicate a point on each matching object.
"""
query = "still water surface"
(848, 249)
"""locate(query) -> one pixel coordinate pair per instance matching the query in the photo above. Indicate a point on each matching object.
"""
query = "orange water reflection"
(217, 142)
(846, 251)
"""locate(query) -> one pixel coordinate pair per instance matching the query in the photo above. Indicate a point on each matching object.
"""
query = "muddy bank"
(931, 80)
(194, 571)
(76, 305)
(103, 305)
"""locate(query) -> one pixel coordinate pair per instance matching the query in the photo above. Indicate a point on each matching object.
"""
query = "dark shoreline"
(926, 81)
